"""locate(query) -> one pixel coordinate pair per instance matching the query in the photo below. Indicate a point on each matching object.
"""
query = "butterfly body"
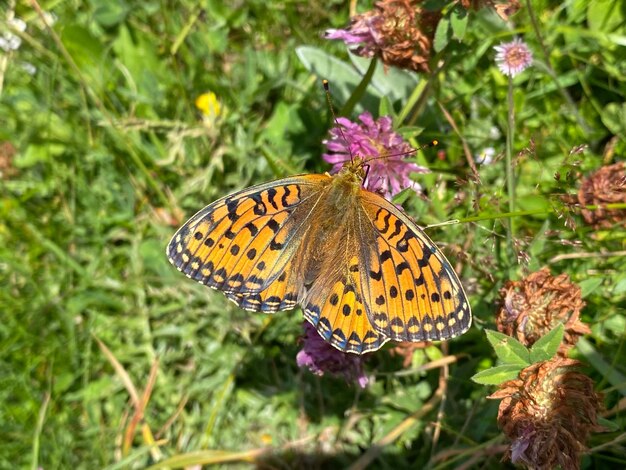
(362, 271)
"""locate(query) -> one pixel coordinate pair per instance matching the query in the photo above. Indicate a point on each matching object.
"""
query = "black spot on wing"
(402, 266)
(259, 206)
(397, 229)
(425, 259)
(252, 228)
(386, 217)
(273, 225)
(271, 196)
(231, 206)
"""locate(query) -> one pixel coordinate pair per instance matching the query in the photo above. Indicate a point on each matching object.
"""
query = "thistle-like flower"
(320, 357)
(548, 413)
(605, 186)
(513, 57)
(384, 150)
(400, 32)
(530, 308)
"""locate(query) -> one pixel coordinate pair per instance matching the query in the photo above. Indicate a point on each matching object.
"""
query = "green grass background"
(111, 155)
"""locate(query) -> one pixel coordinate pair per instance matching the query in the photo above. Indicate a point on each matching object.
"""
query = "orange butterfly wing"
(242, 243)
(410, 288)
(334, 305)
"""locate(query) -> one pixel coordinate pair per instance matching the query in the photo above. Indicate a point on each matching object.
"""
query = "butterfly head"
(354, 171)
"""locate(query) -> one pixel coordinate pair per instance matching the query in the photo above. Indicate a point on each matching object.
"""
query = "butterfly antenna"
(432, 143)
(329, 100)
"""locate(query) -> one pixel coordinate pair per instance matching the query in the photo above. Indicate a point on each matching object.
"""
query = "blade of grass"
(608, 371)
(120, 371)
(359, 91)
(41, 417)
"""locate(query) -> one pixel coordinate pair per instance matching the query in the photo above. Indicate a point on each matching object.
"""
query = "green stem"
(417, 92)
(359, 91)
(508, 215)
(38, 430)
(419, 97)
(510, 174)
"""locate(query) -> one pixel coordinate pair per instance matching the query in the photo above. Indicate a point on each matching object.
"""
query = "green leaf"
(546, 347)
(359, 91)
(38, 154)
(410, 132)
(605, 15)
(620, 286)
(402, 196)
(342, 76)
(508, 349)
(385, 108)
(497, 375)
(393, 82)
(588, 286)
(110, 12)
(609, 425)
(458, 20)
(532, 202)
(86, 50)
(442, 35)
(606, 369)
(614, 118)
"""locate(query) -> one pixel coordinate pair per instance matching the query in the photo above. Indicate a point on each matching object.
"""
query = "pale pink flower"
(513, 57)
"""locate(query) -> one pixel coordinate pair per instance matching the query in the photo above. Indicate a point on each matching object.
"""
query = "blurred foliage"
(111, 154)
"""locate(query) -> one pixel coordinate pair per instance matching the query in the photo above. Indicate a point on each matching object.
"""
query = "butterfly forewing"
(241, 243)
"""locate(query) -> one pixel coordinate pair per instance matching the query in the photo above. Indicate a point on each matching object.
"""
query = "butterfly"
(362, 270)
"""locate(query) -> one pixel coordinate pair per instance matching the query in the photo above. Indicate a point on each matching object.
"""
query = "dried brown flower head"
(605, 186)
(548, 413)
(530, 308)
(400, 32)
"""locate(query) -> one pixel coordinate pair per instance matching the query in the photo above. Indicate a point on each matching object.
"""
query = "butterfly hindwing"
(336, 310)
(281, 294)
(412, 291)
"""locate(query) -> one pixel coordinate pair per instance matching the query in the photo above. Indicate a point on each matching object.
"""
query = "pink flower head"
(362, 34)
(383, 150)
(513, 57)
(320, 358)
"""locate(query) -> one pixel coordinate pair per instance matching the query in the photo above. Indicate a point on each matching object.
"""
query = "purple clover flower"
(384, 150)
(320, 358)
(513, 57)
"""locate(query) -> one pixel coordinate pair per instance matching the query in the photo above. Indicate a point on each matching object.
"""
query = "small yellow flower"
(209, 105)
